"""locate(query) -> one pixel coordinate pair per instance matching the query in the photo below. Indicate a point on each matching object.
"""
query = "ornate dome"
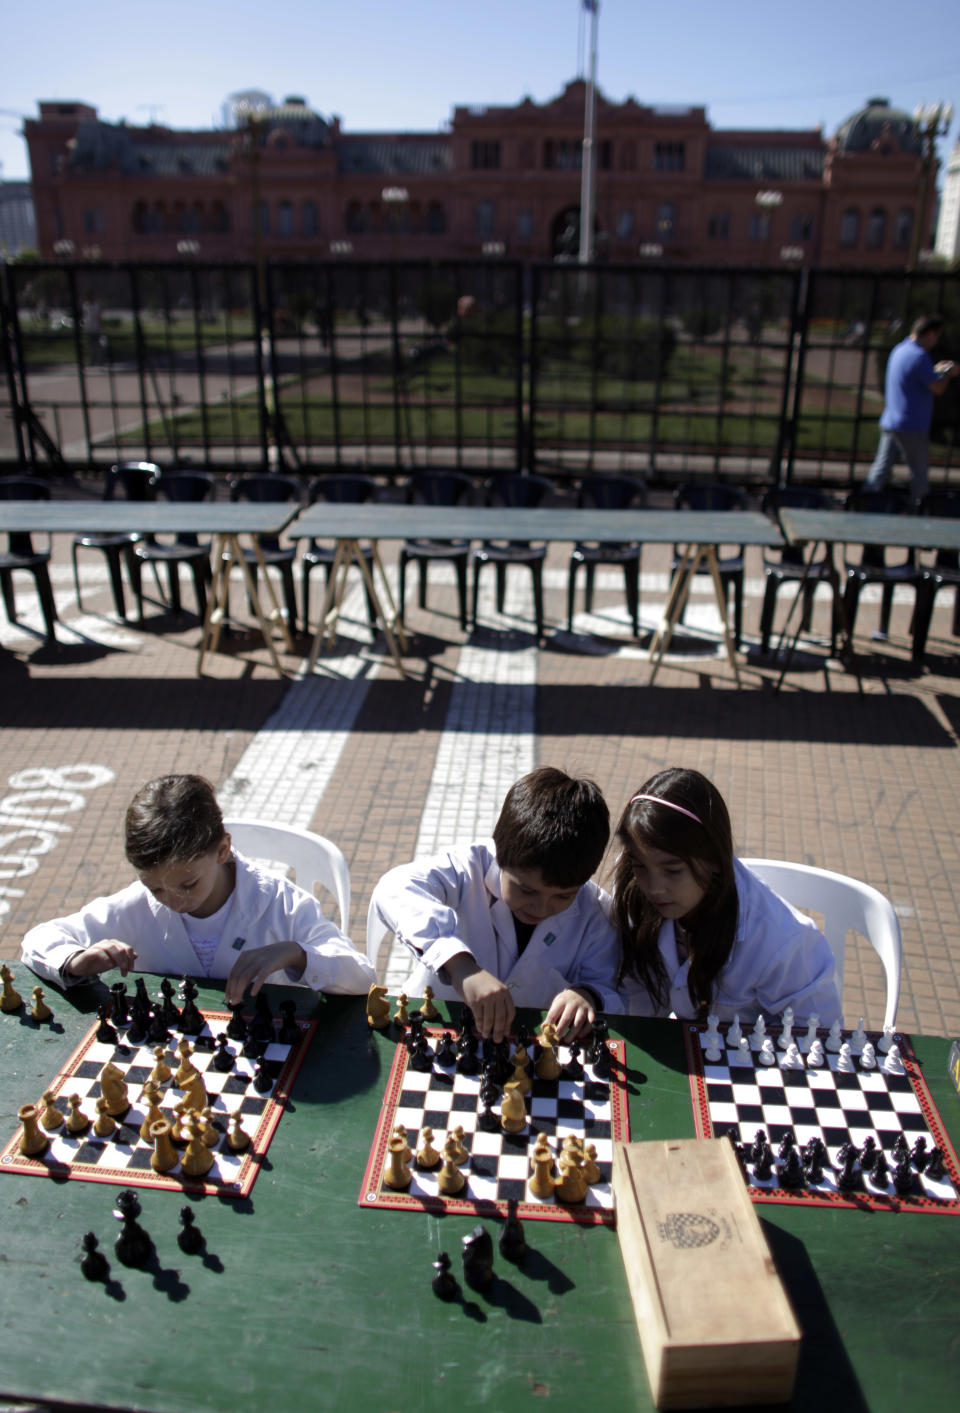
(876, 124)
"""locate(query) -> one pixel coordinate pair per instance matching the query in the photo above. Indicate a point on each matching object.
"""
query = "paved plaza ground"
(856, 772)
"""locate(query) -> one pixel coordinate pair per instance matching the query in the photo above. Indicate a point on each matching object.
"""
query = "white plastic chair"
(845, 905)
(308, 857)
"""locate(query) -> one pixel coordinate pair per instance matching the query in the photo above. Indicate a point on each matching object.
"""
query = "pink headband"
(659, 800)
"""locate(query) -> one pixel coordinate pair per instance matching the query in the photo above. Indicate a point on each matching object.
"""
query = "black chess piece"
(849, 1175)
(501, 1056)
(791, 1174)
(223, 1059)
(445, 1054)
(237, 1026)
(901, 1148)
(903, 1178)
(189, 1238)
(786, 1145)
(157, 1032)
(140, 992)
(763, 1166)
(868, 1153)
(119, 1001)
(512, 1242)
(133, 1246)
(467, 1062)
(421, 1056)
(477, 1257)
(261, 1029)
(757, 1147)
(487, 1120)
(444, 1284)
(918, 1153)
(289, 1030)
(106, 1034)
(489, 1088)
(168, 1008)
(879, 1173)
(262, 1078)
(139, 1026)
(191, 1019)
(934, 1168)
(573, 1068)
(601, 1063)
(813, 1164)
(94, 1264)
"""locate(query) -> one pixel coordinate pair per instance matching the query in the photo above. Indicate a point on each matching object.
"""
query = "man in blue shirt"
(912, 382)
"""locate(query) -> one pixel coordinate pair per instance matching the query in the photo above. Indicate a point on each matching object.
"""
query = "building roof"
(869, 126)
(779, 164)
(395, 156)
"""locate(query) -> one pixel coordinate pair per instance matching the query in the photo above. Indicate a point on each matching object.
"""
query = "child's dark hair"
(173, 818)
(685, 817)
(554, 823)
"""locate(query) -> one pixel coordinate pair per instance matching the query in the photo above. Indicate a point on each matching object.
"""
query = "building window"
(525, 225)
(285, 219)
(93, 222)
(903, 229)
(666, 221)
(220, 219)
(718, 226)
(850, 227)
(527, 154)
(606, 155)
(628, 156)
(801, 228)
(759, 227)
(483, 218)
(357, 218)
(485, 155)
(561, 156)
(191, 219)
(669, 156)
(625, 225)
(308, 218)
(876, 228)
(436, 218)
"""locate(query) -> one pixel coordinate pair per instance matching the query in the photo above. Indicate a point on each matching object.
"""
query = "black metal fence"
(754, 375)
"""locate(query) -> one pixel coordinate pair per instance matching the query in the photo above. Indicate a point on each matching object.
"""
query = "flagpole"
(587, 193)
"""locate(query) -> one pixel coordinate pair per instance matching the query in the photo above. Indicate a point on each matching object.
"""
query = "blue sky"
(384, 65)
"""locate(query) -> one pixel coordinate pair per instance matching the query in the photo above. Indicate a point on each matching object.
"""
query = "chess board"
(840, 1107)
(499, 1163)
(124, 1157)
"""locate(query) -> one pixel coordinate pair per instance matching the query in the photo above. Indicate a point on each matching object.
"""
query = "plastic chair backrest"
(518, 492)
(946, 504)
(346, 490)
(710, 495)
(264, 489)
(136, 480)
(613, 493)
(845, 905)
(22, 488)
(310, 858)
(439, 488)
(792, 498)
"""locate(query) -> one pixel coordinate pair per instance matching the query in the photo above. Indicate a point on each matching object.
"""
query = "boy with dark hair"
(514, 921)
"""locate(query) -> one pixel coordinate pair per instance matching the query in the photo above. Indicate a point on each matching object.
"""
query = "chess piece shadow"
(167, 1280)
(538, 1267)
(503, 1295)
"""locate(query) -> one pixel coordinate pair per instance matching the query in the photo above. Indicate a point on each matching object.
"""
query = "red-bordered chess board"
(124, 1157)
(499, 1163)
(730, 1096)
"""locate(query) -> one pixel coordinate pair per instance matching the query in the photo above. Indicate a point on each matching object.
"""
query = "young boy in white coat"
(515, 921)
(198, 909)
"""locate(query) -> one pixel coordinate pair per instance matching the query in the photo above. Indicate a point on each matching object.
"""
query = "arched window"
(285, 219)
(903, 229)
(219, 218)
(309, 224)
(876, 228)
(525, 225)
(718, 226)
(263, 218)
(666, 221)
(357, 218)
(625, 225)
(483, 218)
(436, 218)
(801, 228)
(850, 227)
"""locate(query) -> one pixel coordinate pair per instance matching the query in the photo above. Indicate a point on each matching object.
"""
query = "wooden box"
(715, 1323)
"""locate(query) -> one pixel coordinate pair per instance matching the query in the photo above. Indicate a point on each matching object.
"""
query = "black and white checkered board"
(124, 1157)
(499, 1162)
(737, 1097)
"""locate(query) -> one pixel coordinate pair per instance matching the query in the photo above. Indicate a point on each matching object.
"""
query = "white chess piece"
(768, 1055)
(816, 1056)
(845, 1060)
(868, 1057)
(811, 1035)
(744, 1055)
(786, 1034)
(711, 1039)
(893, 1063)
(757, 1034)
(835, 1038)
(793, 1060)
(734, 1034)
(887, 1040)
(859, 1038)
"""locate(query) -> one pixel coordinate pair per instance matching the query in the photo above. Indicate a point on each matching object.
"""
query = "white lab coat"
(264, 909)
(451, 903)
(780, 958)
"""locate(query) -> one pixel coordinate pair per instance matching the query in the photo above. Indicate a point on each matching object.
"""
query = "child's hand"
(491, 1004)
(572, 1013)
(252, 968)
(93, 960)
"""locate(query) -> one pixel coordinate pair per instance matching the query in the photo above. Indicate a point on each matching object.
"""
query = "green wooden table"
(307, 1301)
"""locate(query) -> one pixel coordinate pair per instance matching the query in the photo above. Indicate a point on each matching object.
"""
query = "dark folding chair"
(343, 490)
(710, 495)
(874, 565)
(943, 573)
(519, 493)
(267, 488)
(137, 481)
(185, 548)
(608, 493)
(436, 488)
(785, 566)
(20, 554)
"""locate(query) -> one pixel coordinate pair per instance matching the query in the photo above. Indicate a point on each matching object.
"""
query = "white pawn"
(793, 1060)
(743, 1055)
(816, 1056)
(757, 1034)
(811, 1035)
(893, 1063)
(845, 1061)
(734, 1034)
(859, 1038)
(868, 1057)
(884, 1044)
(768, 1055)
(786, 1034)
(835, 1038)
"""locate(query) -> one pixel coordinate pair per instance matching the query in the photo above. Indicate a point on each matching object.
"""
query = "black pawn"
(903, 1178)
(237, 1026)
(289, 1030)
(168, 1008)
(478, 1258)
(189, 1238)
(105, 1031)
(157, 1032)
(191, 1021)
(786, 1145)
(879, 1173)
(512, 1243)
(573, 1068)
(445, 1055)
(467, 1062)
(901, 1148)
(139, 1026)
(94, 1264)
(758, 1145)
(444, 1284)
(524, 1036)
(421, 1056)
(868, 1153)
(133, 1246)
(791, 1174)
(848, 1176)
(223, 1059)
(487, 1120)
(763, 1166)
(601, 1065)
(262, 1079)
(918, 1154)
(934, 1168)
